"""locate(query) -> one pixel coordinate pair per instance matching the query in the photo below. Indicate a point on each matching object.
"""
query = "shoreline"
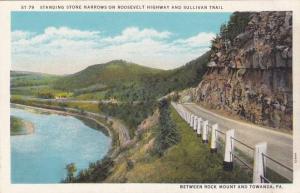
(112, 149)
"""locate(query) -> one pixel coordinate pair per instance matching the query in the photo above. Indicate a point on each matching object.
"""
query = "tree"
(167, 134)
(71, 169)
(176, 96)
(236, 25)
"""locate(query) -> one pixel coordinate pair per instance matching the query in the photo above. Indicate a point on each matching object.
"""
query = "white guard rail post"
(195, 123)
(192, 121)
(204, 131)
(214, 138)
(199, 126)
(229, 147)
(259, 162)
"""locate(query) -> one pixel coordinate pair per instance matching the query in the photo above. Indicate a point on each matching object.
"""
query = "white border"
(228, 6)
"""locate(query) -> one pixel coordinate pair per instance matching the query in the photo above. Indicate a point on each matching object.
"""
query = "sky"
(67, 42)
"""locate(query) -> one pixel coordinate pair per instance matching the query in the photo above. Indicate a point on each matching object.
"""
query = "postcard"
(149, 96)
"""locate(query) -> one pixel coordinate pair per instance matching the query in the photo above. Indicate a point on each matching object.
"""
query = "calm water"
(58, 140)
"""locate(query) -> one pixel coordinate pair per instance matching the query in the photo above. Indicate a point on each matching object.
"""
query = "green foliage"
(20, 100)
(189, 161)
(97, 77)
(129, 82)
(167, 134)
(16, 124)
(33, 84)
(175, 97)
(236, 25)
(131, 113)
(71, 170)
(96, 172)
(21, 79)
(117, 79)
(45, 95)
(63, 94)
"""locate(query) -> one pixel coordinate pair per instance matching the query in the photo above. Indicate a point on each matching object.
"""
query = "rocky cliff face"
(250, 74)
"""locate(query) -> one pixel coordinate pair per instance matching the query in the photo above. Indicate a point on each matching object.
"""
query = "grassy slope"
(189, 161)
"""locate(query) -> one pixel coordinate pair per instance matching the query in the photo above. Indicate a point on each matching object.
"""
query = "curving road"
(279, 145)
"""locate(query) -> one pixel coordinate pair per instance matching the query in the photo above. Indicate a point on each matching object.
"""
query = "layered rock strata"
(251, 75)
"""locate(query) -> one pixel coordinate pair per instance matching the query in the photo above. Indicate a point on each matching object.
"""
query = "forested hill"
(22, 78)
(113, 72)
(130, 82)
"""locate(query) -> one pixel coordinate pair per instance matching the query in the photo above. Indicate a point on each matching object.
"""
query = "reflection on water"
(57, 141)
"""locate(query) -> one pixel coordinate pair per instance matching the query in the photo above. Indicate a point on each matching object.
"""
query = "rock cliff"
(250, 69)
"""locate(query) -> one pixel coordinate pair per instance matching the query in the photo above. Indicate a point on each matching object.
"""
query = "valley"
(246, 75)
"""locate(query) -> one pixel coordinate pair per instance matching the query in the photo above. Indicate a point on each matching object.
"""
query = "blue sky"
(42, 41)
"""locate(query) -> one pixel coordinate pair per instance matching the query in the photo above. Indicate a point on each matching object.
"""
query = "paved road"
(280, 145)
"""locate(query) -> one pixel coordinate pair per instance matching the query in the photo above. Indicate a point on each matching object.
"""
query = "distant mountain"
(25, 79)
(128, 81)
(107, 74)
(116, 79)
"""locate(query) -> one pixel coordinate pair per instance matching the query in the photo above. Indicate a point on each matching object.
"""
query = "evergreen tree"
(236, 25)
(167, 132)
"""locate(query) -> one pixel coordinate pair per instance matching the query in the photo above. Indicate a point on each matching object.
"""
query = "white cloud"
(135, 34)
(19, 35)
(65, 50)
(69, 33)
(201, 39)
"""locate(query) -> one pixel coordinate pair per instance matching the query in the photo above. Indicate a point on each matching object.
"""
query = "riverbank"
(112, 133)
(20, 126)
(136, 162)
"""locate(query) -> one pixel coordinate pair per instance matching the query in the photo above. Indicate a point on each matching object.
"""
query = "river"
(41, 157)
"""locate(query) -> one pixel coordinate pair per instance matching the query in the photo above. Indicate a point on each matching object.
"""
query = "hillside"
(22, 78)
(189, 161)
(247, 73)
(113, 72)
(250, 69)
(130, 82)
(31, 83)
